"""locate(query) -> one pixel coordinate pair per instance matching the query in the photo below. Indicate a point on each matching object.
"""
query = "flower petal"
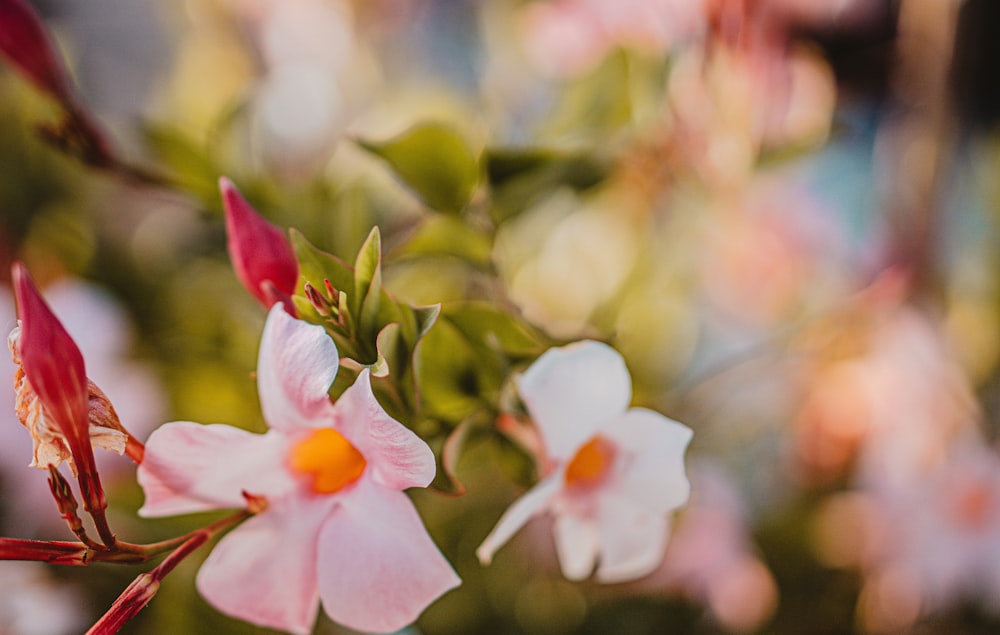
(189, 467)
(264, 571)
(571, 391)
(295, 368)
(633, 540)
(397, 457)
(577, 545)
(378, 567)
(652, 447)
(535, 501)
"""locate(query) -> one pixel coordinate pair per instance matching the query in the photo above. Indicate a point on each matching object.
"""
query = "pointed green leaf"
(368, 284)
(433, 160)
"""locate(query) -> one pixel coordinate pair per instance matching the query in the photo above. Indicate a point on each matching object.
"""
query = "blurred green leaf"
(519, 177)
(449, 236)
(435, 161)
(485, 326)
(186, 159)
(450, 375)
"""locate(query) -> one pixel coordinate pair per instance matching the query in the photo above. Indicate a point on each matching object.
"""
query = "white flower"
(615, 472)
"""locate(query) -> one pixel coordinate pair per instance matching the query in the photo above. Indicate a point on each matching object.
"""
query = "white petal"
(264, 571)
(633, 541)
(397, 457)
(189, 467)
(295, 368)
(378, 567)
(572, 391)
(651, 449)
(535, 501)
(577, 545)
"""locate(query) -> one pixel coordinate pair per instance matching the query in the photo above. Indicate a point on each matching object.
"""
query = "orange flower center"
(591, 463)
(329, 459)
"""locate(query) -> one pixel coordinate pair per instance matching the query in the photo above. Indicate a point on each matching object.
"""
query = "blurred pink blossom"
(33, 603)
(570, 37)
(710, 558)
(891, 400)
(337, 526)
(613, 473)
(935, 543)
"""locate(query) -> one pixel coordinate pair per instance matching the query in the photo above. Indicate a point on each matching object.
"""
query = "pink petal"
(633, 541)
(189, 467)
(398, 458)
(652, 450)
(577, 545)
(295, 368)
(535, 501)
(264, 571)
(260, 252)
(378, 567)
(572, 391)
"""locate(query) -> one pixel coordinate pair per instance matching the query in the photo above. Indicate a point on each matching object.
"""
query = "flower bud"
(25, 44)
(57, 394)
(260, 252)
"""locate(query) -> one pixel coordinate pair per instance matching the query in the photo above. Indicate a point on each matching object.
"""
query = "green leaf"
(449, 375)
(451, 451)
(435, 161)
(519, 177)
(449, 236)
(187, 160)
(484, 325)
(368, 283)
(315, 265)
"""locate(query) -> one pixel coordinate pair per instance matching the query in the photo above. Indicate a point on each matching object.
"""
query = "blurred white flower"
(614, 473)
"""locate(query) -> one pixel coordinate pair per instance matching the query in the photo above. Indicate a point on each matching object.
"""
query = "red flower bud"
(260, 252)
(51, 360)
(54, 367)
(26, 45)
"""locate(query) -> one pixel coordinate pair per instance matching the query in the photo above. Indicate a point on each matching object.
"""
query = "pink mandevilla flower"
(615, 472)
(260, 252)
(337, 526)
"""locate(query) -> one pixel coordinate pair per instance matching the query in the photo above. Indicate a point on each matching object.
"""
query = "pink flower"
(261, 254)
(337, 527)
(615, 472)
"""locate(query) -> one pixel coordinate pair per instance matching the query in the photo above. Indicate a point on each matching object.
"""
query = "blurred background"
(783, 213)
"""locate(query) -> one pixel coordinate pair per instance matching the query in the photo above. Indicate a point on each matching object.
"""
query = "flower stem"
(138, 594)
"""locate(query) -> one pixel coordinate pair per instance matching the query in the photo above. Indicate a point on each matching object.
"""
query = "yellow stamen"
(591, 463)
(329, 458)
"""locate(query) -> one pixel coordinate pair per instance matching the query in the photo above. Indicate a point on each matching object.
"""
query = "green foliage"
(435, 161)
(370, 327)
(520, 177)
(449, 236)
